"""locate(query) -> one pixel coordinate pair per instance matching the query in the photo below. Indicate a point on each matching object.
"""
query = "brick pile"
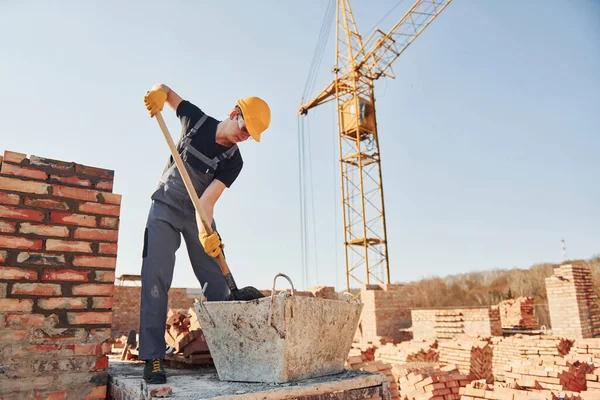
(574, 310)
(184, 334)
(357, 363)
(549, 373)
(407, 352)
(325, 292)
(59, 226)
(472, 356)
(441, 384)
(585, 350)
(522, 347)
(450, 323)
(386, 312)
(593, 380)
(366, 351)
(518, 314)
(480, 390)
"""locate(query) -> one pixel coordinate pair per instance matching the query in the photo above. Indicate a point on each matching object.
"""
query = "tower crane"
(358, 65)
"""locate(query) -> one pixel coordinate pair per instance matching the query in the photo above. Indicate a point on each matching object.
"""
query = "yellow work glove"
(155, 100)
(211, 243)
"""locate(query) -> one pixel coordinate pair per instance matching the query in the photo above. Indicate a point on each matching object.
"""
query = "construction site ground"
(202, 382)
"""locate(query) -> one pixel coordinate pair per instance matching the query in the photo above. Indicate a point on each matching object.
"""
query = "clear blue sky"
(489, 134)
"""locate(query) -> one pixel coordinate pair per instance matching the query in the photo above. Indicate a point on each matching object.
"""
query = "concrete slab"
(125, 383)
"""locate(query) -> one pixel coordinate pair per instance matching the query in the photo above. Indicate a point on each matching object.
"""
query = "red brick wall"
(126, 306)
(58, 243)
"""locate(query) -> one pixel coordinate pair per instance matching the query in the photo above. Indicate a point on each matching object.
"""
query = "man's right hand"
(155, 100)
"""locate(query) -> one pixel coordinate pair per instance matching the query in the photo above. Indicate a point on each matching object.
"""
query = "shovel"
(246, 293)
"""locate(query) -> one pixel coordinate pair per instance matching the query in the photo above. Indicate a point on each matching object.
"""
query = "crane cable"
(304, 159)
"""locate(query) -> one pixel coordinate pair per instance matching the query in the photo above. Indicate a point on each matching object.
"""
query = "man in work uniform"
(208, 148)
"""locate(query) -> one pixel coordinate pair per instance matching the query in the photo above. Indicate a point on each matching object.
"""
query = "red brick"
(69, 303)
(74, 193)
(13, 273)
(108, 248)
(104, 185)
(72, 219)
(105, 276)
(7, 227)
(102, 302)
(97, 234)
(9, 198)
(108, 222)
(97, 208)
(20, 335)
(25, 172)
(21, 213)
(68, 245)
(50, 163)
(16, 242)
(65, 275)
(89, 318)
(37, 289)
(24, 305)
(97, 393)
(86, 349)
(101, 363)
(18, 185)
(94, 289)
(30, 320)
(93, 171)
(71, 180)
(27, 257)
(46, 203)
(93, 261)
(14, 157)
(56, 396)
(112, 198)
(44, 230)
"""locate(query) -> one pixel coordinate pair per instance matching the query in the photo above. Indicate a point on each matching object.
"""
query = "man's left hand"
(211, 243)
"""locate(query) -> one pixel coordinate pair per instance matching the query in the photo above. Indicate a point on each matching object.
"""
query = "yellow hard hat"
(257, 115)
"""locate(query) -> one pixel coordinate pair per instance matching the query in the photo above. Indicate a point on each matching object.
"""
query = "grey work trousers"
(162, 238)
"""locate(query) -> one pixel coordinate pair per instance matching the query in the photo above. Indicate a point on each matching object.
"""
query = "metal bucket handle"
(273, 296)
(202, 306)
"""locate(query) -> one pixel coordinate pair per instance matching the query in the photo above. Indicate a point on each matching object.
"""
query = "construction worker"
(208, 148)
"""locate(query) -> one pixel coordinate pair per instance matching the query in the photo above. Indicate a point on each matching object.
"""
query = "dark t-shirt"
(204, 141)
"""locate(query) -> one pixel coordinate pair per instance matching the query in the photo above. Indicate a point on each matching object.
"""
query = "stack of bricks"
(480, 390)
(407, 352)
(521, 347)
(447, 324)
(587, 351)
(376, 367)
(472, 356)
(386, 312)
(365, 351)
(574, 310)
(58, 244)
(324, 292)
(549, 373)
(518, 314)
(593, 380)
(442, 384)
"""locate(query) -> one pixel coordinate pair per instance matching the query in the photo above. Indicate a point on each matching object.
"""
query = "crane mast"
(356, 68)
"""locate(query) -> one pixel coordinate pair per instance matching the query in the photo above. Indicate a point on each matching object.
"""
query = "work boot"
(154, 371)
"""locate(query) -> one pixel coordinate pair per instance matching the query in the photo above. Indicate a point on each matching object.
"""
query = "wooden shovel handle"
(190, 188)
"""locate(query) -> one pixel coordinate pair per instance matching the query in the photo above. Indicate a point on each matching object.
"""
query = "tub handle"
(273, 295)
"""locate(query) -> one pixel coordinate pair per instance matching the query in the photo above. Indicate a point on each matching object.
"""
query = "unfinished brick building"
(573, 304)
(59, 225)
